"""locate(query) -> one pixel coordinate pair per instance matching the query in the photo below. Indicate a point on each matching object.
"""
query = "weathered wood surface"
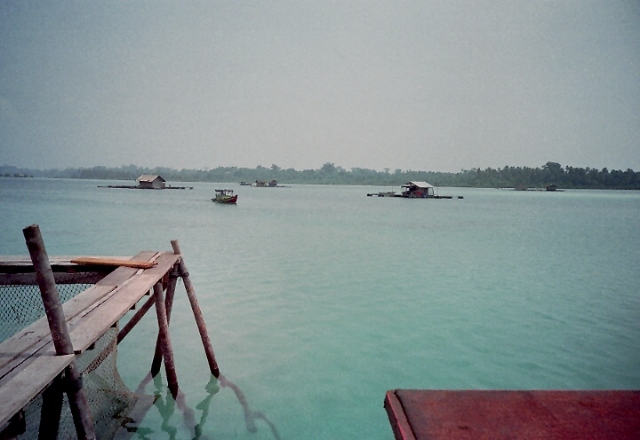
(19, 389)
(88, 316)
(36, 335)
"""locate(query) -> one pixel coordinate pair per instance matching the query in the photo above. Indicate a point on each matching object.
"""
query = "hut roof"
(149, 178)
(419, 184)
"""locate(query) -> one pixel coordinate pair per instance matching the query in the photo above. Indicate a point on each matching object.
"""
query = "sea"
(318, 299)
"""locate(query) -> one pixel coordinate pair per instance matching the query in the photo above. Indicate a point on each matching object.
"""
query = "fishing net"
(109, 398)
(21, 305)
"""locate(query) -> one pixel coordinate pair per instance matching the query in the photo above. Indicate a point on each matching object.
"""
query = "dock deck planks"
(88, 326)
(18, 390)
(28, 362)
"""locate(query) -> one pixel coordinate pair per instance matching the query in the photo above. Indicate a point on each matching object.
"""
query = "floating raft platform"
(400, 196)
(498, 415)
(140, 187)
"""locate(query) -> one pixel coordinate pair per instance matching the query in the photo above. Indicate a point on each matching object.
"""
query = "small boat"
(225, 196)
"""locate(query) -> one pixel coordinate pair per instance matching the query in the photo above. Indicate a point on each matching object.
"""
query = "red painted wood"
(496, 415)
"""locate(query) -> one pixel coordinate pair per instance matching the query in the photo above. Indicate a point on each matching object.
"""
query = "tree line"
(551, 173)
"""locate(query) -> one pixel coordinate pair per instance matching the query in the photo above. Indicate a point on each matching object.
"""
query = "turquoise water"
(318, 299)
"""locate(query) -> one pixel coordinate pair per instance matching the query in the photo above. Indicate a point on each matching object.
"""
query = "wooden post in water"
(51, 409)
(165, 340)
(171, 289)
(202, 327)
(59, 332)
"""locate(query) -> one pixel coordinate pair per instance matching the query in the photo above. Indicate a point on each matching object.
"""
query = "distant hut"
(418, 190)
(552, 187)
(265, 184)
(148, 181)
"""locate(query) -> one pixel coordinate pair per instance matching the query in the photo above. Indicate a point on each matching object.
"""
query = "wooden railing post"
(59, 333)
(202, 327)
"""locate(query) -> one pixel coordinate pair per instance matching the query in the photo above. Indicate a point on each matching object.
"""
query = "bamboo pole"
(202, 327)
(59, 332)
(171, 289)
(165, 340)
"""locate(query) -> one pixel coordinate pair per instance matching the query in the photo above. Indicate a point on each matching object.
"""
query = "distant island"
(551, 173)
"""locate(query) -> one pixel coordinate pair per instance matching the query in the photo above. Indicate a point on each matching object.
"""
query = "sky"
(429, 85)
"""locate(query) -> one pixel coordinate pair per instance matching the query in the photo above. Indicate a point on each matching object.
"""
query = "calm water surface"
(318, 299)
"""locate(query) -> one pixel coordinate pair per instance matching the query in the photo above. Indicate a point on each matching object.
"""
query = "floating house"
(414, 190)
(149, 181)
(263, 184)
(418, 190)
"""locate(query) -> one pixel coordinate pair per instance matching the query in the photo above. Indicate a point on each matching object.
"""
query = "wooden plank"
(15, 350)
(94, 322)
(114, 262)
(17, 391)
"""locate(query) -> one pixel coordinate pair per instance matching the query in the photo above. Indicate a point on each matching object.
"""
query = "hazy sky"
(438, 85)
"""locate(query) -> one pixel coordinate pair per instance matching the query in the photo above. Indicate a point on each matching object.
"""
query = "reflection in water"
(249, 415)
(166, 407)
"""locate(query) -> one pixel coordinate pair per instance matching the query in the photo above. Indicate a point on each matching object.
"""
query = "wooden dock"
(31, 361)
(523, 415)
